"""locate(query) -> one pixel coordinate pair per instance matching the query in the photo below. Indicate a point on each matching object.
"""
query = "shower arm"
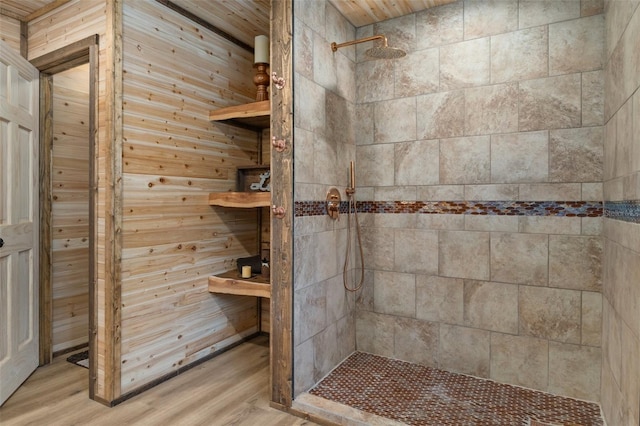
(335, 46)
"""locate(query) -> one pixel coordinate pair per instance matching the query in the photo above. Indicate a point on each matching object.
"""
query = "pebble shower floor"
(419, 395)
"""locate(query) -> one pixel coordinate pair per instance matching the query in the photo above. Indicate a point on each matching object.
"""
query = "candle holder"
(261, 80)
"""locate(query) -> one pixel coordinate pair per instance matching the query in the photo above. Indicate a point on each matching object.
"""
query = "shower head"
(376, 52)
(385, 52)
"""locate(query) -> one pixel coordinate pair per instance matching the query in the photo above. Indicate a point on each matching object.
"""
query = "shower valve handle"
(278, 211)
(278, 144)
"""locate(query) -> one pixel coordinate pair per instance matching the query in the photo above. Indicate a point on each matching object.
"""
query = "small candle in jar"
(246, 271)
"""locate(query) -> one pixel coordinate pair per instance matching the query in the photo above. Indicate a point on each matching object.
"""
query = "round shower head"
(385, 52)
(379, 52)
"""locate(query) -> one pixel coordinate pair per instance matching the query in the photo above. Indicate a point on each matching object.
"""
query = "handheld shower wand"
(351, 194)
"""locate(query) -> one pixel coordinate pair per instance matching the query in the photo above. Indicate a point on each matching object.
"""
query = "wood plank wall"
(70, 208)
(69, 23)
(174, 73)
(10, 32)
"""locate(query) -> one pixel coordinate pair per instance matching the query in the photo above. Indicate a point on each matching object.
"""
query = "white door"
(19, 233)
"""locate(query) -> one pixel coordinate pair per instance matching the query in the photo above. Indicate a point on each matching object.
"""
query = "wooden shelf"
(230, 283)
(255, 115)
(240, 199)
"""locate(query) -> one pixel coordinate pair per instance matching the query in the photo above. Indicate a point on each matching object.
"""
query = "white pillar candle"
(261, 50)
(246, 271)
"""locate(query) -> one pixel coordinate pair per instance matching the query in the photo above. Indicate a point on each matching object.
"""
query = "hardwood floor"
(231, 389)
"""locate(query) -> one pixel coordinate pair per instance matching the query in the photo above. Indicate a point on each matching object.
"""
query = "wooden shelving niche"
(255, 116)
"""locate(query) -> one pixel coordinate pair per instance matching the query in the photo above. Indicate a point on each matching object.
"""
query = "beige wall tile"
(491, 223)
(450, 222)
(416, 251)
(465, 350)
(630, 385)
(591, 7)
(394, 293)
(576, 155)
(326, 354)
(346, 78)
(549, 191)
(378, 248)
(310, 115)
(574, 371)
(519, 258)
(303, 359)
(439, 299)
(395, 193)
(519, 360)
(491, 109)
(612, 401)
(575, 262)
(337, 299)
(584, 35)
(418, 73)
(464, 254)
(491, 306)
(417, 163)
(310, 305)
(519, 55)
(440, 115)
(324, 63)
(550, 103)
(416, 341)
(592, 191)
(520, 157)
(375, 81)
(549, 225)
(491, 192)
(465, 160)
(325, 255)
(488, 17)
(339, 115)
(635, 164)
(312, 13)
(363, 127)
(401, 31)
(539, 12)
(305, 272)
(593, 98)
(465, 64)
(375, 165)
(550, 313)
(395, 121)
(624, 140)
(303, 40)
(440, 192)
(375, 333)
(303, 156)
(591, 226)
(439, 25)
(591, 318)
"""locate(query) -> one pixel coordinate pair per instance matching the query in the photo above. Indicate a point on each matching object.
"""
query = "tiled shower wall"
(324, 111)
(495, 101)
(621, 280)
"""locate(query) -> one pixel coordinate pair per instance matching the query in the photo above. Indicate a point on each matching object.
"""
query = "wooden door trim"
(57, 61)
(282, 195)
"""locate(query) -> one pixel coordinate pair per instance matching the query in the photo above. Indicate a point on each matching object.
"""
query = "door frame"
(78, 53)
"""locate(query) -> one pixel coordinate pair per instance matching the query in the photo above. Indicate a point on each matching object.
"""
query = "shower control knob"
(278, 144)
(279, 82)
(278, 211)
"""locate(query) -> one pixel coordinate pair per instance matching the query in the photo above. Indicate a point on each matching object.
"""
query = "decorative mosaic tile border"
(628, 211)
(489, 208)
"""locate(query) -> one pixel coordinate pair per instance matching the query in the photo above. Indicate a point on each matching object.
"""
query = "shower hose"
(352, 205)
